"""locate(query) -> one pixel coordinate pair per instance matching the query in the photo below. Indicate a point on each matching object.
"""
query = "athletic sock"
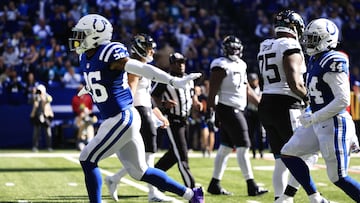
(350, 187)
(290, 191)
(220, 162)
(242, 155)
(300, 171)
(93, 180)
(159, 179)
(279, 177)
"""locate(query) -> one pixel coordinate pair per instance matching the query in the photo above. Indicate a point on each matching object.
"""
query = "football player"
(228, 80)
(328, 127)
(282, 65)
(142, 48)
(105, 65)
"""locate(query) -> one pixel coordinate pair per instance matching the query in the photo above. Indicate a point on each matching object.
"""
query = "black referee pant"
(178, 151)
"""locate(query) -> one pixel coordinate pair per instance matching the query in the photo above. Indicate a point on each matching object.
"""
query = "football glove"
(307, 119)
(179, 83)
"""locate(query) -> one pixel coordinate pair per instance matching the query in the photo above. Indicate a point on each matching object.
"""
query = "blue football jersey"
(109, 88)
(319, 90)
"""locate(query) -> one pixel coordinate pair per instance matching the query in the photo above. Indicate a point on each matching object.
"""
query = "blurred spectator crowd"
(34, 34)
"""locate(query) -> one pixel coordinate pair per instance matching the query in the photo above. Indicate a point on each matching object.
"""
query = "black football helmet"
(140, 45)
(289, 21)
(232, 47)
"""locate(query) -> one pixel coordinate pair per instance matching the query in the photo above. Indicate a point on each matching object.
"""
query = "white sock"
(188, 194)
(280, 177)
(117, 176)
(220, 162)
(242, 155)
(150, 159)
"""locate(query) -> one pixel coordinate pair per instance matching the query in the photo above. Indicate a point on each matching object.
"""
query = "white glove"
(181, 82)
(307, 119)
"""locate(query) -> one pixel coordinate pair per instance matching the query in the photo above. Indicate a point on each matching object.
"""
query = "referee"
(176, 104)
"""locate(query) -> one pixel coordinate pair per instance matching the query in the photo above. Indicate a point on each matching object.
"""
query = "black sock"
(290, 191)
(251, 182)
(215, 182)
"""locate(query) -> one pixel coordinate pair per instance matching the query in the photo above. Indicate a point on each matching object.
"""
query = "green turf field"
(57, 177)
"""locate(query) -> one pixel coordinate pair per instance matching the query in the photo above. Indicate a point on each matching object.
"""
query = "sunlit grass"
(56, 179)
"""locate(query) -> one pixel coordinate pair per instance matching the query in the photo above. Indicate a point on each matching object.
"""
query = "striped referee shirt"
(183, 97)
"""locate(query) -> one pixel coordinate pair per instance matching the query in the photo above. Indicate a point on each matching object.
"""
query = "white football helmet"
(91, 31)
(320, 35)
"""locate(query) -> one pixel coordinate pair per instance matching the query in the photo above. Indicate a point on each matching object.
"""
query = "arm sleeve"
(340, 87)
(151, 72)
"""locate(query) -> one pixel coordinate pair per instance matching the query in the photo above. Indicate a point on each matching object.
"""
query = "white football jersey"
(270, 58)
(233, 89)
(142, 95)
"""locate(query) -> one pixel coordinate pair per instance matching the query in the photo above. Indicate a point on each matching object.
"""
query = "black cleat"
(257, 191)
(218, 191)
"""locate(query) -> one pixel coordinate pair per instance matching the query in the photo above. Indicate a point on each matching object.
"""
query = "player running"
(328, 127)
(105, 65)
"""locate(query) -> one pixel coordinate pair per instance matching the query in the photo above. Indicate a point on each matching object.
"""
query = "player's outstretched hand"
(181, 82)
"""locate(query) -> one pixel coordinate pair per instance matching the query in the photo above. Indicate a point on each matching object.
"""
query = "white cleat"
(284, 199)
(317, 198)
(112, 187)
(159, 197)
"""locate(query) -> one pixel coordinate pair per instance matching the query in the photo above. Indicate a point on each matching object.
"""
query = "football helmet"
(91, 31)
(140, 45)
(232, 47)
(290, 22)
(320, 35)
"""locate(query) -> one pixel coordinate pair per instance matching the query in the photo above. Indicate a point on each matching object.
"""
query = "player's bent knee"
(135, 173)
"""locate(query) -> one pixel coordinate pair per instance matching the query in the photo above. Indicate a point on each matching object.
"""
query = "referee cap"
(176, 57)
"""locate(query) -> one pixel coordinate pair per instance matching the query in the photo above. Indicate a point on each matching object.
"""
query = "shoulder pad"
(113, 52)
(219, 62)
(334, 61)
(288, 43)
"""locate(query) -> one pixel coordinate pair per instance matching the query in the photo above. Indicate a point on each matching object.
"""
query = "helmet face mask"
(91, 31)
(142, 45)
(232, 47)
(320, 35)
(290, 22)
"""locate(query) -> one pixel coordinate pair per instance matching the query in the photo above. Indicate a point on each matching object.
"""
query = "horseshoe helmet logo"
(331, 28)
(97, 26)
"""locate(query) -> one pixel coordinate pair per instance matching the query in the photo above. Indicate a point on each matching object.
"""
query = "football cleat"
(257, 191)
(112, 187)
(317, 198)
(198, 196)
(284, 199)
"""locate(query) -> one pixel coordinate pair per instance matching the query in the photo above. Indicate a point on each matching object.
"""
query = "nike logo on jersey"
(267, 47)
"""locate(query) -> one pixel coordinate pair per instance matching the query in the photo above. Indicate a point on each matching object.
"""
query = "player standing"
(282, 65)
(228, 80)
